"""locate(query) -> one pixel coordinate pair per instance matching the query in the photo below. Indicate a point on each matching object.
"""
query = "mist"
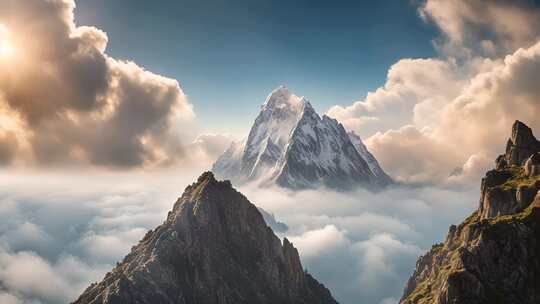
(72, 229)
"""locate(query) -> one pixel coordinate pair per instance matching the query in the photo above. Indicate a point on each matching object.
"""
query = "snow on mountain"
(368, 157)
(292, 146)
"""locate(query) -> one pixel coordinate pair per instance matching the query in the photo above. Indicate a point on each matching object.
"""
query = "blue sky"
(229, 55)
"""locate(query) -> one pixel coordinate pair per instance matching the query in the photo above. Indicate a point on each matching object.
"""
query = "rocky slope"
(292, 146)
(494, 255)
(213, 248)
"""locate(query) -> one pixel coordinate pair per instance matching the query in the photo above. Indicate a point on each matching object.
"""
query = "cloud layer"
(436, 115)
(361, 245)
(56, 237)
(63, 99)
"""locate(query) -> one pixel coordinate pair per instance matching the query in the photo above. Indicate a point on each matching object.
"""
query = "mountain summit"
(292, 146)
(213, 248)
(494, 255)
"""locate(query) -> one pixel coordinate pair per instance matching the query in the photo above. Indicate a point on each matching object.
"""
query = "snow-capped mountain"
(292, 146)
(368, 157)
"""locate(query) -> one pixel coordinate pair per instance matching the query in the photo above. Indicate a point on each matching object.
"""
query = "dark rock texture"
(521, 145)
(494, 255)
(213, 248)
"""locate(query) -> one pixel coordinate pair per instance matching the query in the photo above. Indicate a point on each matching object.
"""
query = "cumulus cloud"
(444, 120)
(472, 128)
(414, 89)
(485, 27)
(63, 99)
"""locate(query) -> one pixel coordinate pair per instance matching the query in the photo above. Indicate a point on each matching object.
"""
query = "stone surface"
(532, 165)
(521, 145)
(213, 248)
(494, 255)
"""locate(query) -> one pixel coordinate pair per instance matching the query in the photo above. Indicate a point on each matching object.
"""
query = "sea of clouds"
(61, 231)
(81, 112)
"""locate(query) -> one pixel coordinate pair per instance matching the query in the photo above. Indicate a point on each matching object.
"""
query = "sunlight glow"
(6, 47)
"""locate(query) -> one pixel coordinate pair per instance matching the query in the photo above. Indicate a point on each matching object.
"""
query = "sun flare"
(6, 49)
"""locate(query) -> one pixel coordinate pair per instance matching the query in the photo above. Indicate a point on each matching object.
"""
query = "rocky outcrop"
(213, 248)
(521, 145)
(494, 255)
(532, 165)
(506, 191)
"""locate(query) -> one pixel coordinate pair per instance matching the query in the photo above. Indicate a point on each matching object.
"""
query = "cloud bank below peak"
(437, 114)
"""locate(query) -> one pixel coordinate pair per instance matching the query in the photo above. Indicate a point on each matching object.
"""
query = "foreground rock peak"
(521, 145)
(213, 248)
(494, 255)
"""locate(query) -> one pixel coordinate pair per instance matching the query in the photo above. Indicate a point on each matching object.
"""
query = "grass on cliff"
(425, 290)
(518, 179)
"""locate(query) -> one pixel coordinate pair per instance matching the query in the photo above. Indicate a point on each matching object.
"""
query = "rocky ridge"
(213, 248)
(494, 255)
(291, 146)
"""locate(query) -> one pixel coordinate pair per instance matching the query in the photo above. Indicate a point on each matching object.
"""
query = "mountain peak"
(290, 145)
(521, 145)
(282, 98)
(492, 256)
(522, 135)
(206, 176)
(214, 248)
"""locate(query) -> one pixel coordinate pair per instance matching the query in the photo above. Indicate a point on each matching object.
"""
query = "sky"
(108, 110)
(234, 53)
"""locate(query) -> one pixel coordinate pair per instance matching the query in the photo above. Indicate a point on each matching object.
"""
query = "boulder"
(532, 165)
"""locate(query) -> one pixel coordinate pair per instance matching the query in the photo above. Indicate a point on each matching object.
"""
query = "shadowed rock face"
(521, 145)
(213, 248)
(494, 255)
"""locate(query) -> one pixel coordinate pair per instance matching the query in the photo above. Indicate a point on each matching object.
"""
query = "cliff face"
(494, 255)
(213, 248)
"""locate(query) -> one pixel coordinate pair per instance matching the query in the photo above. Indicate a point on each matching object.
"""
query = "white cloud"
(64, 100)
(316, 242)
(77, 227)
(483, 27)
(414, 91)
(7, 298)
(389, 301)
(434, 116)
(363, 246)
(207, 147)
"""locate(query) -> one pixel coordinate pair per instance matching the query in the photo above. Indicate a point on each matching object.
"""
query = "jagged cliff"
(494, 255)
(213, 248)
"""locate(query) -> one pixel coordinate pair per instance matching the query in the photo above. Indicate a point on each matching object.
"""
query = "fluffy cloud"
(361, 245)
(56, 240)
(414, 90)
(207, 147)
(30, 278)
(446, 119)
(63, 99)
(472, 128)
(485, 27)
